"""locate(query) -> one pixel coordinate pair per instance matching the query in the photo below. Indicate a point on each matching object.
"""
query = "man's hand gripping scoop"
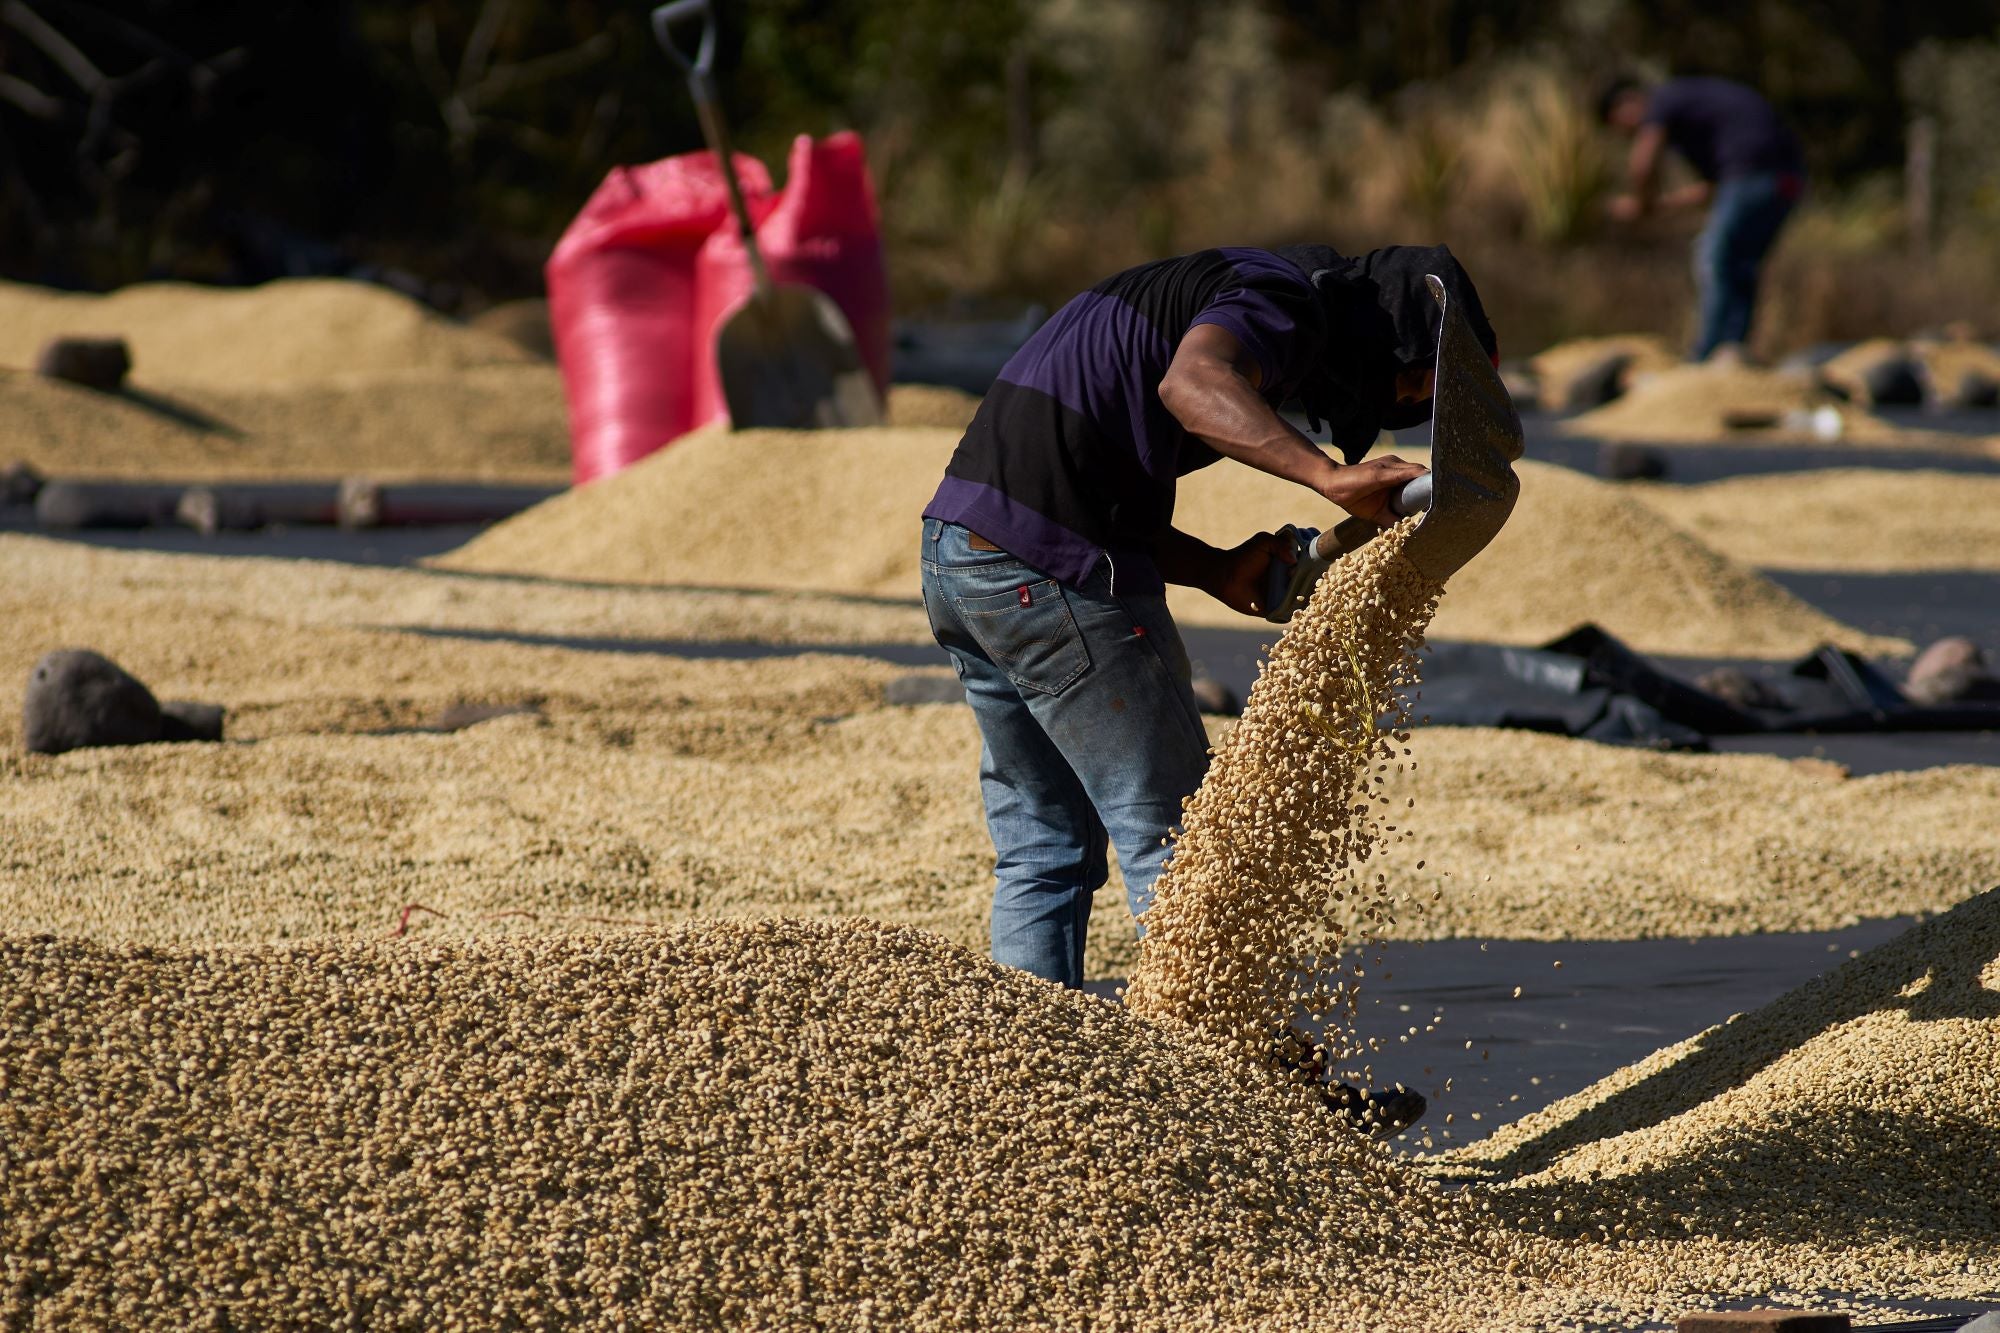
(1466, 497)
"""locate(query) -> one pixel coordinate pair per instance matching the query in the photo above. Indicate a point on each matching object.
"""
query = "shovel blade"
(788, 360)
(1475, 438)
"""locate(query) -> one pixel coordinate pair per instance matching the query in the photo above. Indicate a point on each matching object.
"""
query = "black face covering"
(1382, 321)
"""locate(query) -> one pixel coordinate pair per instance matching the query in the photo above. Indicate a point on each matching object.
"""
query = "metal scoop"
(1466, 496)
(786, 356)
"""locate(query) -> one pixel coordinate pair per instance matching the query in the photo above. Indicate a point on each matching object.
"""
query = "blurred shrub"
(1958, 87)
(1554, 151)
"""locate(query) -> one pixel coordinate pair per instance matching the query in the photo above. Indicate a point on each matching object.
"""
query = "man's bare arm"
(1642, 166)
(1234, 577)
(1187, 561)
(1695, 194)
(1211, 389)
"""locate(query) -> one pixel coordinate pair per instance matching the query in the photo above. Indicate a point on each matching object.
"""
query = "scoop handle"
(700, 70)
(1413, 497)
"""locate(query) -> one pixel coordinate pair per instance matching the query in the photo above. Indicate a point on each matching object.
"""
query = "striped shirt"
(1072, 458)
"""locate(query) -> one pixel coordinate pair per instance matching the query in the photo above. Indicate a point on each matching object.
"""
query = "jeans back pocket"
(1030, 634)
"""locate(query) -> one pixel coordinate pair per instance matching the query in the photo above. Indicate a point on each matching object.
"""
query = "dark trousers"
(1743, 223)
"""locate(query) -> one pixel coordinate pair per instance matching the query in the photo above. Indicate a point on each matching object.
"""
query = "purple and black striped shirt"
(1071, 458)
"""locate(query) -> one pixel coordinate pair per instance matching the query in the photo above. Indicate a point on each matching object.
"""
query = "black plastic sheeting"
(1607, 1005)
(1588, 684)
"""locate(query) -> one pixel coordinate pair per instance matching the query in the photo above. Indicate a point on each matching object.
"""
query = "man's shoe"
(1380, 1113)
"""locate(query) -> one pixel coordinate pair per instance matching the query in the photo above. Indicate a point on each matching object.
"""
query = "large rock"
(1594, 384)
(1214, 697)
(1971, 388)
(95, 363)
(1589, 372)
(1880, 372)
(1962, 373)
(1950, 671)
(19, 484)
(1737, 686)
(1631, 462)
(78, 698)
(69, 506)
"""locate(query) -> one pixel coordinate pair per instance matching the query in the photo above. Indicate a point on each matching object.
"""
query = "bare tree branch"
(478, 53)
(509, 78)
(134, 34)
(430, 62)
(53, 44)
(29, 98)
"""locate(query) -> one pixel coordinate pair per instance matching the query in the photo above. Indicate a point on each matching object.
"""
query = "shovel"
(787, 356)
(1464, 499)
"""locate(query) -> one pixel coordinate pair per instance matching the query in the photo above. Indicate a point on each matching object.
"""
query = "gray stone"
(95, 363)
(1521, 384)
(359, 503)
(923, 687)
(1986, 1323)
(200, 508)
(1952, 670)
(1595, 384)
(67, 506)
(185, 720)
(1739, 687)
(1974, 389)
(19, 484)
(1215, 697)
(1894, 382)
(78, 698)
(1631, 462)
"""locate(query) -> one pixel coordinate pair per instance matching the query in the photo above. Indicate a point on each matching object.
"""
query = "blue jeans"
(1091, 737)
(1729, 254)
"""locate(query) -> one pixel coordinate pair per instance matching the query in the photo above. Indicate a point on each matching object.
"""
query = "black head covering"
(1381, 320)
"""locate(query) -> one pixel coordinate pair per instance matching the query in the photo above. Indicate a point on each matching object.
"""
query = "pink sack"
(622, 305)
(821, 231)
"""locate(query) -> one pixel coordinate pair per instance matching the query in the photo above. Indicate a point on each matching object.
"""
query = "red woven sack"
(622, 305)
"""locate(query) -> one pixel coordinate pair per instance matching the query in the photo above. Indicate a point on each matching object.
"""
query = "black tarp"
(1589, 684)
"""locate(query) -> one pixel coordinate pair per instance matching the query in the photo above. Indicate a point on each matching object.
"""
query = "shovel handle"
(699, 67)
(700, 70)
(1411, 497)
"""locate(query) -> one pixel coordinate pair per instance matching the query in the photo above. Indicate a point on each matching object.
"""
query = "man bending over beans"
(1048, 545)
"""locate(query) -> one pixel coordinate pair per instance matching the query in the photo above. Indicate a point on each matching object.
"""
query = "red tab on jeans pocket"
(1023, 595)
